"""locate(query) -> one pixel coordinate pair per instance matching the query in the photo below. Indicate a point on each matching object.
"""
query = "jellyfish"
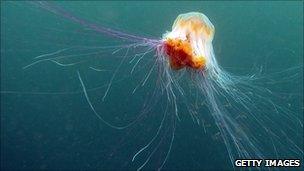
(188, 73)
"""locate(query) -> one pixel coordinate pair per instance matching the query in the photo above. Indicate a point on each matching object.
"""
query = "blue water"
(46, 122)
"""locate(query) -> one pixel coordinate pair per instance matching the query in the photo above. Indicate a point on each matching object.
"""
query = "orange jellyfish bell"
(189, 44)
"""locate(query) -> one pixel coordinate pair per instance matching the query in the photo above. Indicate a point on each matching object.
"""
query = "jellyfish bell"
(189, 44)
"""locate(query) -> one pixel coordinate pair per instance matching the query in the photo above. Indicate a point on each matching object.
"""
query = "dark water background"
(51, 131)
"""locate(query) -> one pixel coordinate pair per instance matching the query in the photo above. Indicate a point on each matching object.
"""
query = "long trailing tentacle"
(98, 28)
(96, 113)
(154, 137)
(243, 96)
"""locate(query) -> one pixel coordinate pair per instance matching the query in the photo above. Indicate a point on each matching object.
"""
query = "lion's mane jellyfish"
(244, 113)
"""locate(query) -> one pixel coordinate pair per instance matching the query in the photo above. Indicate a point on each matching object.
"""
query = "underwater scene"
(151, 85)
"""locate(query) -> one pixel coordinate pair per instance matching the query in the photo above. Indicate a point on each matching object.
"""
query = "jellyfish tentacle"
(154, 137)
(96, 113)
